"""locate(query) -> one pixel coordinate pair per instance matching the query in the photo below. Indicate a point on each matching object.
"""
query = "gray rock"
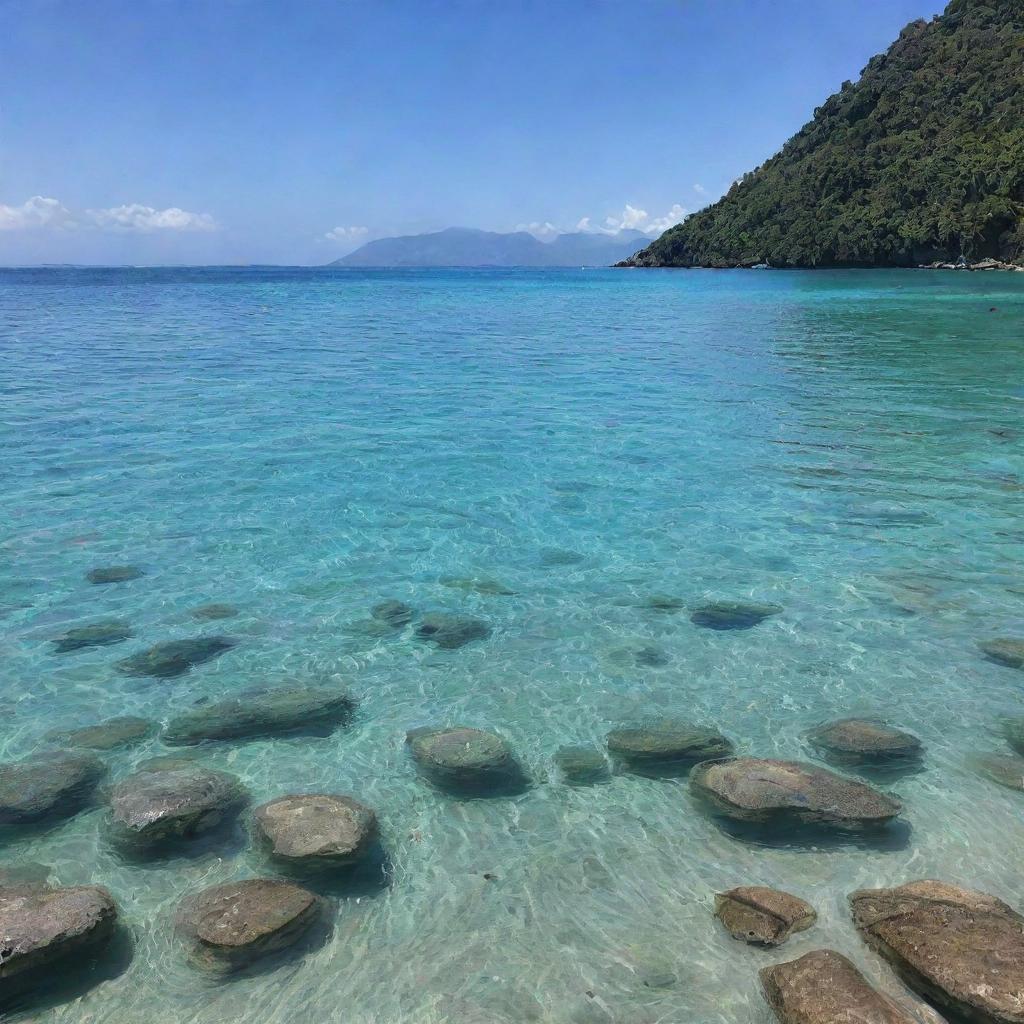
(214, 612)
(865, 741)
(957, 947)
(317, 828)
(450, 631)
(733, 614)
(763, 916)
(115, 732)
(232, 925)
(1004, 769)
(97, 634)
(789, 792)
(1008, 651)
(461, 758)
(581, 765)
(156, 805)
(39, 926)
(395, 614)
(174, 657)
(823, 987)
(114, 574)
(53, 784)
(297, 709)
(666, 741)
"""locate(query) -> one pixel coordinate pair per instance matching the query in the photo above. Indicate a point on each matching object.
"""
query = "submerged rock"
(957, 947)
(40, 925)
(48, 785)
(1008, 651)
(395, 614)
(114, 574)
(297, 709)
(115, 732)
(551, 557)
(27, 875)
(1004, 769)
(639, 656)
(581, 765)
(461, 758)
(478, 585)
(733, 614)
(98, 634)
(664, 603)
(317, 828)
(788, 792)
(450, 631)
(823, 987)
(1013, 730)
(762, 916)
(667, 741)
(174, 657)
(858, 741)
(213, 612)
(238, 922)
(159, 804)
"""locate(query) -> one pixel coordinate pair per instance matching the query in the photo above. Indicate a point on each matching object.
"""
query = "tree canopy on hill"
(922, 159)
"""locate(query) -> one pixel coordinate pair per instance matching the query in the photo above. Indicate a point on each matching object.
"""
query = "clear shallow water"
(304, 444)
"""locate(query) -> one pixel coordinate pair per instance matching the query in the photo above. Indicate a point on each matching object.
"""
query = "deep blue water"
(305, 443)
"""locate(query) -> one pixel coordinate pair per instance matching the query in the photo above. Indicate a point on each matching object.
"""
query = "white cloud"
(583, 224)
(632, 217)
(670, 220)
(343, 234)
(136, 217)
(700, 189)
(540, 229)
(43, 212)
(37, 212)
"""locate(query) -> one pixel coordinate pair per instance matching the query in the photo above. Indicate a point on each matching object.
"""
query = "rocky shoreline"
(988, 264)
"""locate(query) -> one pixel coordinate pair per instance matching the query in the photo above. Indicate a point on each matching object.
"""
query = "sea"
(577, 459)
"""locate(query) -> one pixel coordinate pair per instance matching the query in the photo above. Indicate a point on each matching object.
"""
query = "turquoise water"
(304, 444)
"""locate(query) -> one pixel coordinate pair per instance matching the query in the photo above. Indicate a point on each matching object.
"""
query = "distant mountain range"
(467, 247)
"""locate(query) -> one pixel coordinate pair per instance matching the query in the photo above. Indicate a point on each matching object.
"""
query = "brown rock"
(39, 925)
(761, 790)
(317, 827)
(762, 916)
(958, 947)
(865, 741)
(235, 923)
(823, 987)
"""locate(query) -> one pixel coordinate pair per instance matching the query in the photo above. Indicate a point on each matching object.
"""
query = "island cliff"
(919, 162)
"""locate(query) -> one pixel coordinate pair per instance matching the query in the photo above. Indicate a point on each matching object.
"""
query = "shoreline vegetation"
(919, 164)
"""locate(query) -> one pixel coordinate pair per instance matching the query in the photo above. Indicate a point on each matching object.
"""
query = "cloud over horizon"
(42, 212)
(343, 234)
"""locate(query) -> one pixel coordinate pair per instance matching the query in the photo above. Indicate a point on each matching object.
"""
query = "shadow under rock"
(53, 984)
(890, 838)
(369, 876)
(229, 839)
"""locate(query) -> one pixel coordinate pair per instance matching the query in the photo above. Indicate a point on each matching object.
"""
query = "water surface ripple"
(305, 444)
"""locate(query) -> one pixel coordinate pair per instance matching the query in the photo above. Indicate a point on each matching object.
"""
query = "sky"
(293, 131)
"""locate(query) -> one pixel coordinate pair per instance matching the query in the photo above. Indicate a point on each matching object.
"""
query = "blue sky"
(237, 131)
